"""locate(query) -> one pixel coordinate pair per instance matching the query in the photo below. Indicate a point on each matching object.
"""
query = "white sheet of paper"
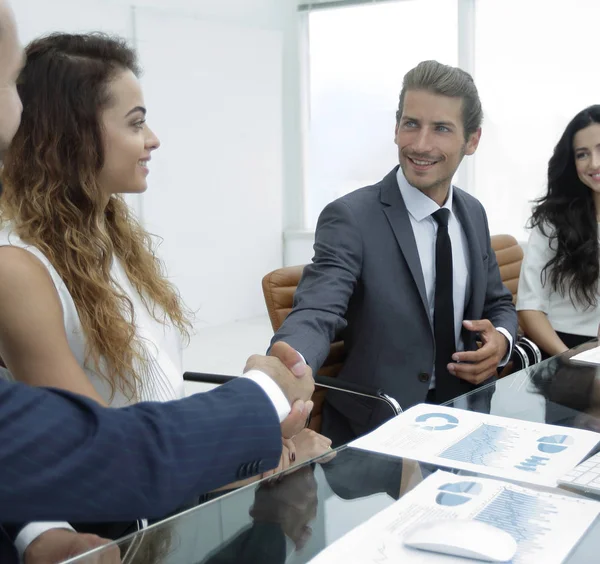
(507, 448)
(546, 526)
(591, 356)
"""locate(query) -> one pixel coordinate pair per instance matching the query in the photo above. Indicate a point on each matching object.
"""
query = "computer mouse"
(460, 537)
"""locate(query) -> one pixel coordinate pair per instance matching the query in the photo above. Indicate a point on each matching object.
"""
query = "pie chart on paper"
(554, 443)
(436, 421)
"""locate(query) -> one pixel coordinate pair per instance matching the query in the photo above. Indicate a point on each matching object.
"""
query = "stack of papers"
(496, 446)
(546, 526)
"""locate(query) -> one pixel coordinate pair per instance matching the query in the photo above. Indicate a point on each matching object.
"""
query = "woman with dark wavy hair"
(558, 295)
(87, 306)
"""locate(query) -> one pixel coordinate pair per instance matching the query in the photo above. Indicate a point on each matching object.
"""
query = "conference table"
(292, 519)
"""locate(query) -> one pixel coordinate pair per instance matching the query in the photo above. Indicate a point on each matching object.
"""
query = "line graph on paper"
(485, 446)
(526, 517)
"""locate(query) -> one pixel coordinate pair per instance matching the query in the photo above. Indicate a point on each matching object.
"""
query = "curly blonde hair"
(51, 199)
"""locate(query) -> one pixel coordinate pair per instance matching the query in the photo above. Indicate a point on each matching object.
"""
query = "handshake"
(286, 367)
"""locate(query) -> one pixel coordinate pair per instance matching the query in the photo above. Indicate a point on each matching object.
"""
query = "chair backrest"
(279, 287)
(509, 255)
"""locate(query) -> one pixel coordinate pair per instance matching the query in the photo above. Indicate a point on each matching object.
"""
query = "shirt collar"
(418, 204)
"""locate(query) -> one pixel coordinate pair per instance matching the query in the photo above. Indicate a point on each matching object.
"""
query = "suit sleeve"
(327, 284)
(498, 307)
(64, 457)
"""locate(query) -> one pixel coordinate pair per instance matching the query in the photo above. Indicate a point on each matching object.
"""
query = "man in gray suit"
(404, 271)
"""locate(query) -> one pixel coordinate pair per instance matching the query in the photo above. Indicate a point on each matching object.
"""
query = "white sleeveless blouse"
(161, 343)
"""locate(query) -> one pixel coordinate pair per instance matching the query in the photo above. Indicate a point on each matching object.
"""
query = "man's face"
(11, 63)
(431, 140)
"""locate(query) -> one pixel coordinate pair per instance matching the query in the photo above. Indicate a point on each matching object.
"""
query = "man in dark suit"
(65, 457)
(404, 271)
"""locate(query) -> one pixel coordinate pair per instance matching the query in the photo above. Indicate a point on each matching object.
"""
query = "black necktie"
(447, 386)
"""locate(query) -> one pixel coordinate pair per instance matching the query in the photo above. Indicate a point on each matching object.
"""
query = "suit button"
(424, 377)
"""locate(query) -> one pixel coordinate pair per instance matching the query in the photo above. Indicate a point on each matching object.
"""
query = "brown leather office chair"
(279, 287)
(509, 255)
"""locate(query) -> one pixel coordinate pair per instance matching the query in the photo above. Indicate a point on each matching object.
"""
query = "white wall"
(278, 15)
(215, 190)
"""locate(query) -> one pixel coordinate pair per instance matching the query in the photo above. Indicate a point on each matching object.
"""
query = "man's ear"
(473, 142)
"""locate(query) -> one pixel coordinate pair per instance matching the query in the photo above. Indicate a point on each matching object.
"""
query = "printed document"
(496, 446)
(546, 526)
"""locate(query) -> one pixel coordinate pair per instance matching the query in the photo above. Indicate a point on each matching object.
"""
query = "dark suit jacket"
(366, 286)
(63, 457)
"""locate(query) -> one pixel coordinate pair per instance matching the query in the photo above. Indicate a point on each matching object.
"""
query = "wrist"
(33, 534)
(506, 344)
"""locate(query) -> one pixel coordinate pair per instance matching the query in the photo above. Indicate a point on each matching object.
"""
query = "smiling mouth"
(423, 163)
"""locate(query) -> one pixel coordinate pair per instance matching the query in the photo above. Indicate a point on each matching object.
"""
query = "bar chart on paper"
(525, 517)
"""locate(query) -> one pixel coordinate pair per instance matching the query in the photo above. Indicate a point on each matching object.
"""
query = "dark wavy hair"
(53, 201)
(567, 216)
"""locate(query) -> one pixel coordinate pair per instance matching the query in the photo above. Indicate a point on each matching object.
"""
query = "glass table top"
(293, 518)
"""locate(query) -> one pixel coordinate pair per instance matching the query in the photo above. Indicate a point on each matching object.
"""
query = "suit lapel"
(397, 215)
(476, 267)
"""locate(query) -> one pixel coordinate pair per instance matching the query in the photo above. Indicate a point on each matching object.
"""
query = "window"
(358, 56)
(533, 63)
(535, 68)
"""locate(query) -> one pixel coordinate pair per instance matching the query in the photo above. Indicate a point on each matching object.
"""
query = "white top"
(163, 379)
(533, 295)
(420, 209)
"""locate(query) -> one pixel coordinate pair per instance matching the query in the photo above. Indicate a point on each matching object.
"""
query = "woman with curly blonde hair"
(82, 143)
(86, 304)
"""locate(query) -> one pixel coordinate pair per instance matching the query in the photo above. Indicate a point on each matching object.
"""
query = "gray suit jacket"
(366, 286)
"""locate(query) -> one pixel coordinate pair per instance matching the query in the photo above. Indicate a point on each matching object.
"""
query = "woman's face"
(586, 148)
(128, 141)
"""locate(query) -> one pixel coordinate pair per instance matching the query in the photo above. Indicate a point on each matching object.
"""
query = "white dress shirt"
(420, 207)
(276, 395)
(537, 296)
